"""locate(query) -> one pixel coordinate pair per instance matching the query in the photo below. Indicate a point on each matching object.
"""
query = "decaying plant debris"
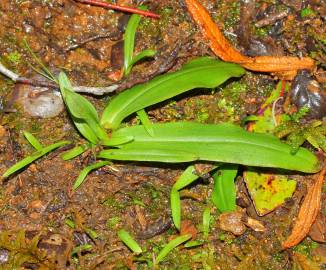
(48, 222)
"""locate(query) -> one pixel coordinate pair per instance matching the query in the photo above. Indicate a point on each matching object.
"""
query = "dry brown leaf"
(284, 67)
(308, 212)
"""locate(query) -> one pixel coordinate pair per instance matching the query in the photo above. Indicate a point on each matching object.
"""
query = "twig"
(120, 8)
(90, 39)
(271, 19)
(81, 89)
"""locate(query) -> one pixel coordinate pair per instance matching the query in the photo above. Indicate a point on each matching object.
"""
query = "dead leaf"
(308, 212)
(318, 229)
(284, 67)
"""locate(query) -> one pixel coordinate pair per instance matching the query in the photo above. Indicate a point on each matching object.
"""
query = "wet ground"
(44, 225)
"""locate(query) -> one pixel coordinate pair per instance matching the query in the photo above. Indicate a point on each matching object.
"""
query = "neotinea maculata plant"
(177, 142)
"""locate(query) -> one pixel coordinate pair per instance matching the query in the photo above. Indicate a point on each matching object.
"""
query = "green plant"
(40, 151)
(129, 44)
(202, 72)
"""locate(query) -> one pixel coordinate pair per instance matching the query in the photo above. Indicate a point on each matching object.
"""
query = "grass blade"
(170, 246)
(33, 141)
(175, 205)
(80, 179)
(28, 160)
(127, 239)
(224, 193)
(202, 72)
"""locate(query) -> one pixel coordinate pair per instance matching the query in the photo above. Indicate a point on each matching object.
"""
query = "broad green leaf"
(175, 205)
(85, 130)
(116, 141)
(86, 171)
(36, 155)
(267, 190)
(127, 239)
(224, 193)
(203, 72)
(76, 151)
(82, 110)
(33, 141)
(170, 246)
(148, 154)
(143, 117)
(186, 141)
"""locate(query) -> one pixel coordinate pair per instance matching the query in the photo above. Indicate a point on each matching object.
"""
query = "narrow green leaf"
(206, 221)
(143, 117)
(142, 55)
(203, 72)
(224, 193)
(33, 141)
(170, 246)
(127, 239)
(129, 41)
(186, 178)
(81, 248)
(194, 243)
(186, 141)
(175, 207)
(28, 160)
(86, 171)
(76, 151)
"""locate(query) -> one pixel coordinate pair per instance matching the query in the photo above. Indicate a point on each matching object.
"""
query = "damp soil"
(45, 225)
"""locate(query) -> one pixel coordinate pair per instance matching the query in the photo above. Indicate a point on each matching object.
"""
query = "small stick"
(81, 89)
(120, 8)
(271, 19)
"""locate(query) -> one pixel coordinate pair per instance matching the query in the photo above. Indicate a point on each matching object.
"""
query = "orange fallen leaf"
(285, 67)
(308, 212)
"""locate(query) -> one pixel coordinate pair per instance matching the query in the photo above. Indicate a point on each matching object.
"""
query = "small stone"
(232, 222)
